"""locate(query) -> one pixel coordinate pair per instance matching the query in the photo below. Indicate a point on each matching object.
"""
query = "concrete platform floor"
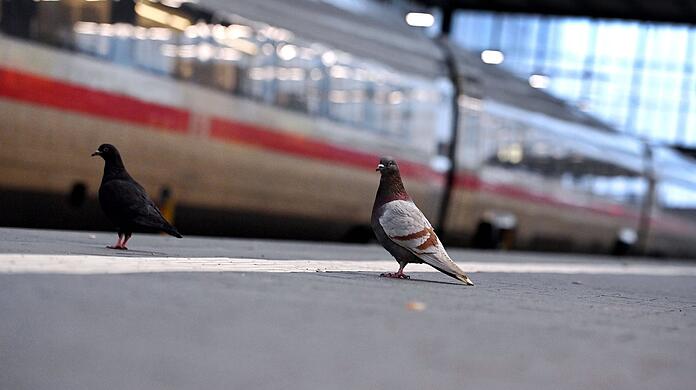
(235, 314)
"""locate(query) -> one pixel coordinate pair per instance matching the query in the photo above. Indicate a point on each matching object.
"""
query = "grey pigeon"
(403, 230)
(125, 202)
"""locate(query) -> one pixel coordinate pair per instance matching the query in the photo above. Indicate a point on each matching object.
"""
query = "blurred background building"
(637, 76)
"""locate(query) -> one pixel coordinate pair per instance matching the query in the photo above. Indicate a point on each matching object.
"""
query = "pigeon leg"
(118, 244)
(127, 237)
(398, 275)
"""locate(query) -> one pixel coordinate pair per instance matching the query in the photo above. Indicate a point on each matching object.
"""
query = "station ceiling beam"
(670, 11)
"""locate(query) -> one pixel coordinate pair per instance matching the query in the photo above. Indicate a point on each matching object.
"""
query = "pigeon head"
(390, 185)
(107, 152)
(387, 166)
(113, 165)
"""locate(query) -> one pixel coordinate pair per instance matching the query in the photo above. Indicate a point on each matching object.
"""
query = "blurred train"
(267, 118)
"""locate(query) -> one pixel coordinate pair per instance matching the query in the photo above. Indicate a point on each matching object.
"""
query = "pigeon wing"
(407, 227)
(130, 202)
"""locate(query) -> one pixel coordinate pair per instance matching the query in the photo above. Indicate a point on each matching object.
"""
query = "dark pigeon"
(403, 230)
(125, 202)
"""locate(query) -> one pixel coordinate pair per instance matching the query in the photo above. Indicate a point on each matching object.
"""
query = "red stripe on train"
(475, 184)
(40, 90)
(44, 91)
(307, 147)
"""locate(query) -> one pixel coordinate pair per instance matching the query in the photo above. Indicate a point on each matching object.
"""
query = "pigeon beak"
(97, 153)
(379, 167)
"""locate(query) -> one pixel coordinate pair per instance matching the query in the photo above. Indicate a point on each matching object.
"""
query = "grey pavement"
(335, 330)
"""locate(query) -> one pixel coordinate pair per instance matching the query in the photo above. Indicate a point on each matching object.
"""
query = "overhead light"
(228, 54)
(340, 72)
(395, 97)
(292, 74)
(176, 3)
(88, 28)
(162, 17)
(277, 34)
(512, 153)
(206, 52)
(244, 46)
(287, 52)
(539, 81)
(420, 19)
(329, 58)
(262, 73)
(239, 31)
(493, 57)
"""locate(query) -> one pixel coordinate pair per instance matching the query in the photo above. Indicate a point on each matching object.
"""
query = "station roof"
(672, 11)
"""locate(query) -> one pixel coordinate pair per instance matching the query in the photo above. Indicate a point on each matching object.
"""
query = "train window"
(470, 130)
(676, 196)
(346, 93)
(88, 39)
(605, 180)
(154, 49)
(259, 62)
(16, 17)
(225, 75)
(260, 76)
(295, 62)
(398, 111)
(428, 114)
(316, 85)
(379, 98)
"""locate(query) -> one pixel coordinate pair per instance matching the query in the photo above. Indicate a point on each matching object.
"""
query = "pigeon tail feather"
(465, 279)
(449, 267)
(171, 230)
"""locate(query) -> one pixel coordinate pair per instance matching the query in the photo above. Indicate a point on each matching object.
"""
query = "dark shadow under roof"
(671, 11)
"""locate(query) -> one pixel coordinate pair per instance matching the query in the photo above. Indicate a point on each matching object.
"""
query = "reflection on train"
(266, 119)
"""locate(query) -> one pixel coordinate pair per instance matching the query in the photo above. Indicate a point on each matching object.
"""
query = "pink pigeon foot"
(120, 243)
(395, 275)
